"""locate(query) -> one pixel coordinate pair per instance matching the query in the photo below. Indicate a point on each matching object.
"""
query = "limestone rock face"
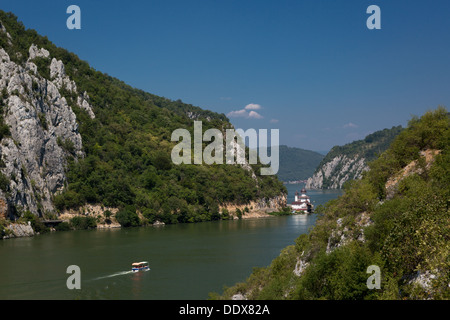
(21, 230)
(34, 52)
(343, 234)
(43, 131)
(348, 162)
(333, 174)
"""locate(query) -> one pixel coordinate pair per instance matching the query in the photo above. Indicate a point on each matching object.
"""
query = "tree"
(127, 217)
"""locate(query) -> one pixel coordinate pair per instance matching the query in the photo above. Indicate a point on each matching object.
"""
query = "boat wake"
(114, 275)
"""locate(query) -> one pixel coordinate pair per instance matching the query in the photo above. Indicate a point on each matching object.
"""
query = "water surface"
(187, 261)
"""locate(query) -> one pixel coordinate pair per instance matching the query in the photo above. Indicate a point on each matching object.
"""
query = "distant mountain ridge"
(348, 162)
(297, 164)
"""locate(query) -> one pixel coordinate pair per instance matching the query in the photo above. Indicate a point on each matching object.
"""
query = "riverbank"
(17, 230)
(105, 216)
(100, 217)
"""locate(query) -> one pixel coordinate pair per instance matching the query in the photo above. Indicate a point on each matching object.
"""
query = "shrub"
(128, 217)
(4, 182)
(63, 226)
(83, 223)
(68, 199)
(43, 66)
(239, 213)
(225, 214)
(36, 223)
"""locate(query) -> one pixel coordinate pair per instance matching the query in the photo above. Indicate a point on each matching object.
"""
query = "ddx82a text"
(245, 309)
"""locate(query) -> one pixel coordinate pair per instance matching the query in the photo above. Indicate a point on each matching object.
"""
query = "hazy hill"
(297, 164)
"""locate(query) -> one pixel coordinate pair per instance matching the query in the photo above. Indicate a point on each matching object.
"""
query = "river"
(187, 261)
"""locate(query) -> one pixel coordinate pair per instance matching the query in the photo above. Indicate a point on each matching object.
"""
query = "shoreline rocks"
(18, 230)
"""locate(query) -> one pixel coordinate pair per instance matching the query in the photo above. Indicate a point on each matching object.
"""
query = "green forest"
(404, 230)
(297, 164)
(127, 146)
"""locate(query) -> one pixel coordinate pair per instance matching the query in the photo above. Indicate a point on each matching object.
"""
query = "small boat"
(140, 266)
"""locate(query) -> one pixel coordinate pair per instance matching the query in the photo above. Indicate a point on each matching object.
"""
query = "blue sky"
(311, 69)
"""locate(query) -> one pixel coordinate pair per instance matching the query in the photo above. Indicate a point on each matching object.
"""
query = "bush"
(128, 217)
(339, 275)
(68, 199)
(2, 231)
(63, 226)
(43, 66)
(4, 182)
(36, 223)
(83, 223)
(239, 213)
(285, 211)
(225, 214)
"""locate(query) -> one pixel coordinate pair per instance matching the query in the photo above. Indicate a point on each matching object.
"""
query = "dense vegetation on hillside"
(396, 217)
(297, 164)
(127, 146)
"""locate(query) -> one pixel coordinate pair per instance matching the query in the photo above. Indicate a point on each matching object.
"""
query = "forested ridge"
(127, 147)
(297, 164)
(396, 218)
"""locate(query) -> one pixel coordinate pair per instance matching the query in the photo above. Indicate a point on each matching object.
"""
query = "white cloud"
(254, 114)
(350, 125)
(252, 106)
(247, 112)
(274, 120)
(238, 113)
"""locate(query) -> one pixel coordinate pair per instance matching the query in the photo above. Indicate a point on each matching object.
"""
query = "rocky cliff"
(43, 131)
(348, 162)
(333, 174)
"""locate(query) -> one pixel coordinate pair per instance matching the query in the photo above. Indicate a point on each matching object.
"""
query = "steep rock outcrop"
(20, 230)
(348, 162)
(43, 130)
(333, 174)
